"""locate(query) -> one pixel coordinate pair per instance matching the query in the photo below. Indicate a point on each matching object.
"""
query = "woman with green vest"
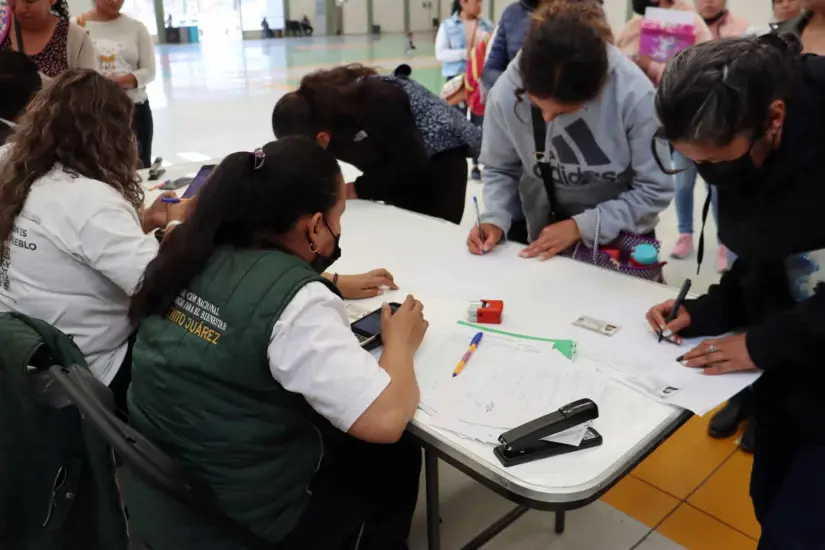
(246, 371)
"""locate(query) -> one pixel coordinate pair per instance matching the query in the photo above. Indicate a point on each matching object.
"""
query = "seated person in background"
(19, 81)
(599, 168)
(411, 147)
(268, 397)
(306, 26)
(75, 238)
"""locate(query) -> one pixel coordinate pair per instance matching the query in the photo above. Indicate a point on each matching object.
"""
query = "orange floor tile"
(685, 460)
(696, 530)
(725, 495)
(641, 501)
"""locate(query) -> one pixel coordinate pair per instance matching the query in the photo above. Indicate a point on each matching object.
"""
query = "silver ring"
(712, 348)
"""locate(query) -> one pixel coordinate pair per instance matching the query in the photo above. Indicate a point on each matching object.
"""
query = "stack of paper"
(508, 381)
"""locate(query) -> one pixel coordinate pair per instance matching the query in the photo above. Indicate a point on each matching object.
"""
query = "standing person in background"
(41, 29)
(722, 24)
(809, 27)
(457, 35)
(127, 56)
(594, 110)
(510, 34)
(411, 146)
(19, 82)
(629, 37)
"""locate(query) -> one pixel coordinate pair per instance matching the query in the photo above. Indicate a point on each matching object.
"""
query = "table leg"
(560, 522)
(433, 504)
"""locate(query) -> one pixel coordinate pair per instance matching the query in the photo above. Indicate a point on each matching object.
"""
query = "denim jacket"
(453, 27)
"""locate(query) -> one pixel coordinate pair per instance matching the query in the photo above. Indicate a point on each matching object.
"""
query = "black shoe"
(475, 175)
(747, 439)
(726, 422)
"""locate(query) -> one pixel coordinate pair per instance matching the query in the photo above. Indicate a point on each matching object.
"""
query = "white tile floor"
(207, 109)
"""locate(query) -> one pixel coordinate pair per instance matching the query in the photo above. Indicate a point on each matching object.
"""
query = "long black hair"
(248, 193)
(564, 57)
(714, 91)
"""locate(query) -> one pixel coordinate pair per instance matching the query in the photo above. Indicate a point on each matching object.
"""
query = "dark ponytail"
(714, 91)
(246, 195)
(456, 7)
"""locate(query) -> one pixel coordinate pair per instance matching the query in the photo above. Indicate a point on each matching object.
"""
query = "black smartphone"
(545, 449)
(368, 328)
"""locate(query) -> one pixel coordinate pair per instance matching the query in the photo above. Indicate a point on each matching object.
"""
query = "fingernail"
(667, 333)
(662, 328)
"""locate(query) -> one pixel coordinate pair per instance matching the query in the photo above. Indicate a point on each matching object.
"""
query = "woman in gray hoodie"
(591, 110)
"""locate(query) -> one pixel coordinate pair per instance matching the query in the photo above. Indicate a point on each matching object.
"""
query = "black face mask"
(321, 263)
(640, 6)
(730, 174)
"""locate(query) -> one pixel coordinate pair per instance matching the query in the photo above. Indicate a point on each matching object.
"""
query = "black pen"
(677, 305)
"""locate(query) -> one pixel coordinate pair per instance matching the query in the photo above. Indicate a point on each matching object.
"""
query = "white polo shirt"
(76, 254)
(313, 352)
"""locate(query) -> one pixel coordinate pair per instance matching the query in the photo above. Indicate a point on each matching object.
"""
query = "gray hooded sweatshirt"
(604, 173)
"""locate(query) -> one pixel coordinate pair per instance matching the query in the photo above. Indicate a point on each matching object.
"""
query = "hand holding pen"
(669, 318)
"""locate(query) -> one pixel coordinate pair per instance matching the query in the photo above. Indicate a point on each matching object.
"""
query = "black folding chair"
(144, 460)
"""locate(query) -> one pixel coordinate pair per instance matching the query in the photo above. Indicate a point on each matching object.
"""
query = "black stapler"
(526, 443)
(156, 170)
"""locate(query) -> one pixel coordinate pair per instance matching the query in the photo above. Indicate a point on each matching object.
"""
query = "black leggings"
(143, 126)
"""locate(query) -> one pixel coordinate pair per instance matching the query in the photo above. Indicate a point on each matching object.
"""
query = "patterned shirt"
(54, 58)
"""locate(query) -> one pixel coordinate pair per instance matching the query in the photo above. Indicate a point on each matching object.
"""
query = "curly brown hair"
(81, 121)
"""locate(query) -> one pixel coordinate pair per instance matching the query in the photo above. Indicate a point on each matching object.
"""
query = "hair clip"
(260, 156)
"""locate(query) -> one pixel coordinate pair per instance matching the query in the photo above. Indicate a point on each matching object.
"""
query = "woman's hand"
(492, 236)
(720, 356)
(403, 330)
(126, 81)
(366, 285)
(552, 240)
(158, 215)
(657, 317)
(643, 62)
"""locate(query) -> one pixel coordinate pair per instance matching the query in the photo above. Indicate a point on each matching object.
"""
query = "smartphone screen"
(371, 324)
(198, 181)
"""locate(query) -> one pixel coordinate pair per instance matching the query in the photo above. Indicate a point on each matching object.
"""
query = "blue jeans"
(685, 182)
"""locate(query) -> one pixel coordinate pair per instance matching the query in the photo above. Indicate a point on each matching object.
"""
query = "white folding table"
(429, 259)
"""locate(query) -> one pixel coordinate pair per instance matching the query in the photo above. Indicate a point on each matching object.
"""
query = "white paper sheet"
(507, 382)
(634, 357)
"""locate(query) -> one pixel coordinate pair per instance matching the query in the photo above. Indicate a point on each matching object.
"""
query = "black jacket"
(767, 224)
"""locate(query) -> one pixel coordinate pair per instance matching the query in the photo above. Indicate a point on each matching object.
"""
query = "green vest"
(203, 392)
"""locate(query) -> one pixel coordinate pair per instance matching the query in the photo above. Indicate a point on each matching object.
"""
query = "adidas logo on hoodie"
(562, 154)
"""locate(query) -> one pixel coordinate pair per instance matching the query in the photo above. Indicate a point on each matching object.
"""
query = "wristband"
(335, 279)
(171, 224)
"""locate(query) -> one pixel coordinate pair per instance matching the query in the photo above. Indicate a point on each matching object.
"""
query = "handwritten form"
(634, 357)
(508, 381)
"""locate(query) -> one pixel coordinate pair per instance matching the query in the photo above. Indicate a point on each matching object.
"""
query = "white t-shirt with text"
(75, 256)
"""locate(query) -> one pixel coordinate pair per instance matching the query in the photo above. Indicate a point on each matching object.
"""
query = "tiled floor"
(692, 492)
